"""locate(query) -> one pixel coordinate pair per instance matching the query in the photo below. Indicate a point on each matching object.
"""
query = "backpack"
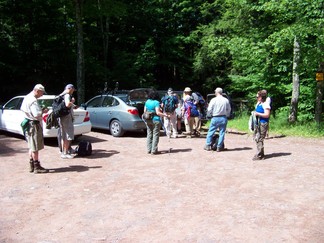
(201, 100)
(169, 104)
(214, 142)
(59, 107)
(192, 109)
(84, 148)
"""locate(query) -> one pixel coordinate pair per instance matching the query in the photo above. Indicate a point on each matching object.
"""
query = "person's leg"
(191, 125)
(260, 142)
(156, 136)
(173, 120)
(211, 131)
(222, 123)
(167, 126)
(149, 136)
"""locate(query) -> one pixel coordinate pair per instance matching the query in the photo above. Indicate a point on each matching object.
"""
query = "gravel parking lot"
(184, 194)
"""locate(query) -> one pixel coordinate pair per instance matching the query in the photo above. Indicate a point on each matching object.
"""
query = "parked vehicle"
(210, 96)
(116, 113)
(11, 116)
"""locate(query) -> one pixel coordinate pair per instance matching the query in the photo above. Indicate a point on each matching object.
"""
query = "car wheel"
(116, 128)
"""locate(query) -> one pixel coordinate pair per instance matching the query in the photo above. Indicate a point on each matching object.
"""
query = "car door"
(12, 116)
(93, 107)
(105, 113)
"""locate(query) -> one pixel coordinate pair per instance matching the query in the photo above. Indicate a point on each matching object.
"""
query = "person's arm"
(160, 113)
(266, 113)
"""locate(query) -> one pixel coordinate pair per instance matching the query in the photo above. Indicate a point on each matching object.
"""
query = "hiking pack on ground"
(59, 107)
(169, 104)
(84, 148)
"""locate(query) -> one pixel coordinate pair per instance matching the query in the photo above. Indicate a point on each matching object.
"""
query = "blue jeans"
(153, 136)
(217, 122)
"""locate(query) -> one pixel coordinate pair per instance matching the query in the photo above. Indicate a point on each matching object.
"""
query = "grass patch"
(280, 126)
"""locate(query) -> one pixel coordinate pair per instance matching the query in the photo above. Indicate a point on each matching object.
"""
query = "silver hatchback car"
(114, 113)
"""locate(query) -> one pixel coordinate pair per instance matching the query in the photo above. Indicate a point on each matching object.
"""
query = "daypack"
(84, 148)
(59, 107)
(201, 100)
(214, 142)
(169, 104)
(51, 121)
(192, 109)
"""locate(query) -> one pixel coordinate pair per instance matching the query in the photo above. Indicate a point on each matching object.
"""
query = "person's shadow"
(73, 168)
(273, 155)
(238, 149)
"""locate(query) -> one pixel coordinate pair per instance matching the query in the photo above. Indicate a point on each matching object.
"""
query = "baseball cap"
(70, 86)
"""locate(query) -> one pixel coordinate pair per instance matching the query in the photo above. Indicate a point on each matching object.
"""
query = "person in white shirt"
(219, 108)
(34, 133)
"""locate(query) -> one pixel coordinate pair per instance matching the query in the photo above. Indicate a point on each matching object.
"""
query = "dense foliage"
(240, 45)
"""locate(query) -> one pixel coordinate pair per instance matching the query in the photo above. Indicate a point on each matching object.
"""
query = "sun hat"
(187, 89)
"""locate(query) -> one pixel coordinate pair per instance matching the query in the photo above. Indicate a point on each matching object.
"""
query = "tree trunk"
(80, 52)
(295, 91)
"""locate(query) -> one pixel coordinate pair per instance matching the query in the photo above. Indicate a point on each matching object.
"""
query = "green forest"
(240, 45)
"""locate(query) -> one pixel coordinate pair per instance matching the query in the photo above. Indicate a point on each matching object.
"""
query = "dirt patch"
(184, 194)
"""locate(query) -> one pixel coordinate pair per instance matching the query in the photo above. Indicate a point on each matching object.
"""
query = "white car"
(11, 116)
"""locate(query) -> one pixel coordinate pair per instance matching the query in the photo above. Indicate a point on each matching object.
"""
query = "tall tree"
(295, 84)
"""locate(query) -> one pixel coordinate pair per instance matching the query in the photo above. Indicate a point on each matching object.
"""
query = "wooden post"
(319, 95)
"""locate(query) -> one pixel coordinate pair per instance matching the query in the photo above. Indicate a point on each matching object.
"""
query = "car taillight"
(133, 111)
(45, 117)
(87, 117)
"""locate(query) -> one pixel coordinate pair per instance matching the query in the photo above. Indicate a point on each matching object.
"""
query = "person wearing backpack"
(219, 108)
(169, 105)
(66, 122)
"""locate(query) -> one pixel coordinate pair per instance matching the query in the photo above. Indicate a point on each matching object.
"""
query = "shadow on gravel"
(273, 155)
(73, 168)
(172, 151)
(239, 149)
(100, 153)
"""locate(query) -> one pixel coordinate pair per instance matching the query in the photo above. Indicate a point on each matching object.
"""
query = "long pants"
(153, 136)
(171, 124)
(219, 122)
(260, 132)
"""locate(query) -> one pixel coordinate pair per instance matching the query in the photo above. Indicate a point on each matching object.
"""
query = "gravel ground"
(183, 194)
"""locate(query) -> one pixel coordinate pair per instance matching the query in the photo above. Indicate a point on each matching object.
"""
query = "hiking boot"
(220, 149)
(38, 168)
(258, 158)
(31, 166)
(207, 147)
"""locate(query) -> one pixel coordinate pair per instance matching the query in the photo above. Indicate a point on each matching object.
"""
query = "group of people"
(34, 134)
(219, 109)
(171, 108)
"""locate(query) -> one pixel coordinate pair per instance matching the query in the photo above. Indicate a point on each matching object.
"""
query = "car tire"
(116, 128)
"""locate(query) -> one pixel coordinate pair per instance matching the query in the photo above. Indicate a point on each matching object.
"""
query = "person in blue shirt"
(154, 125)
(262, 114)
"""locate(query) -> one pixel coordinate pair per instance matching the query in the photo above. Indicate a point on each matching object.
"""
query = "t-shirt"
(31, 107)
(150, 106)
(261, 107)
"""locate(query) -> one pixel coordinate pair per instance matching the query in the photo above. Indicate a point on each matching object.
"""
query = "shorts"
(66, 127)
(34, 137)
